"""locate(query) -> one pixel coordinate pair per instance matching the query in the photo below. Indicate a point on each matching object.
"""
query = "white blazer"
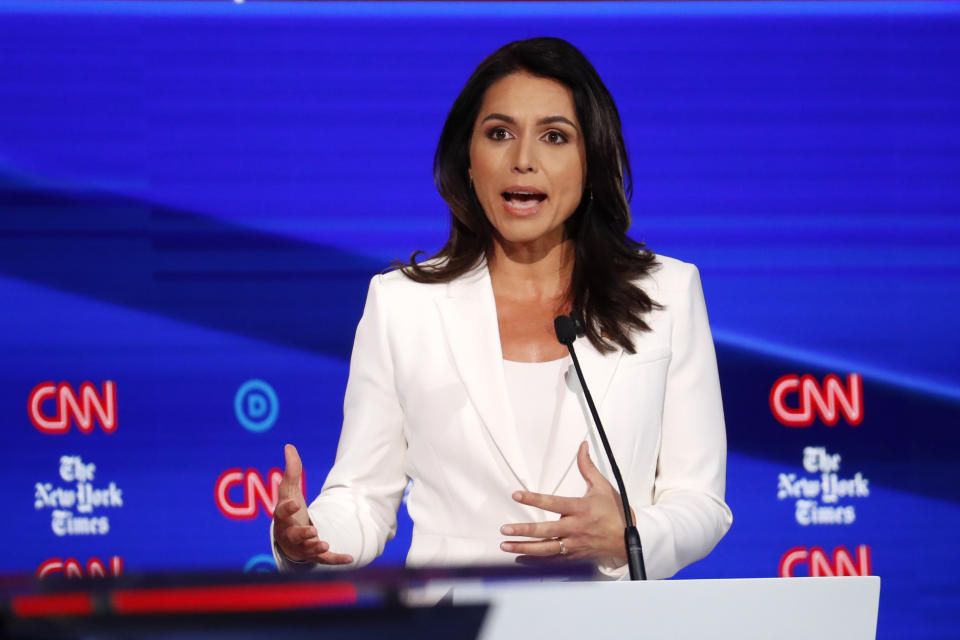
(427, 400)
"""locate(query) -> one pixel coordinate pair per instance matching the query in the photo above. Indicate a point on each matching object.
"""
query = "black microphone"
(567, 329)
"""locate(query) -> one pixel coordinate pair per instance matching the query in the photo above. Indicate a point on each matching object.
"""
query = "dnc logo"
(256, 405)
(260, 563)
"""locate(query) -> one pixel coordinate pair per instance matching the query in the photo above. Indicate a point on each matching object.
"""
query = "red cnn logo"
(73, 569)
(819, 565)
(254, 492)
(81, 407)
(827, 401)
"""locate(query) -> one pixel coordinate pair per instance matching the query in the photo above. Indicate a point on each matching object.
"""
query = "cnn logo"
(820, 565)
(826, 401)
(71, 568)
(255, 492)
(69, 406)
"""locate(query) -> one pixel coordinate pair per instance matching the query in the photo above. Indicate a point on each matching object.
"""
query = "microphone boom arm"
(631, 536)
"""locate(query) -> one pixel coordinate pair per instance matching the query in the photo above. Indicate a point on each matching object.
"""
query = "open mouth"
(523, 199)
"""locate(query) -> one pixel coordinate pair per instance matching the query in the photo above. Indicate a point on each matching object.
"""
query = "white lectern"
(742, 609)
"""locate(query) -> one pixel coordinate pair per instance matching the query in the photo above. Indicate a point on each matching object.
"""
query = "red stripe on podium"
(232, 598)
(58, 604)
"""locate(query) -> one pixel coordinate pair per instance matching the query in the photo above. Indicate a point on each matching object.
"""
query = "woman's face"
(527, 158)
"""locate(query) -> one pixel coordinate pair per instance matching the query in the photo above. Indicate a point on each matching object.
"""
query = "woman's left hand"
(590, 527)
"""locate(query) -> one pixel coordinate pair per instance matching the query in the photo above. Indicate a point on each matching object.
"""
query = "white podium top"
(761, 608)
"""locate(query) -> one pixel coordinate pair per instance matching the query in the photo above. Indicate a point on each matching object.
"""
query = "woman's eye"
(555, 137)
(498, 134)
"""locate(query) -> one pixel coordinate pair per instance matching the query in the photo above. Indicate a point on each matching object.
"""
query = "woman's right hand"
(294, 533)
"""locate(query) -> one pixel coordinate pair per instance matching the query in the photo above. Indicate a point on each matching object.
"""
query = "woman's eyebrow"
(547, 120)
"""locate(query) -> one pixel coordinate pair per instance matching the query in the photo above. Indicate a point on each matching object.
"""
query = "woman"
(458, 382)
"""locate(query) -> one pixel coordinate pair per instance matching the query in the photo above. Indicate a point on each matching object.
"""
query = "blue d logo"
(260, 563)
(256, 405)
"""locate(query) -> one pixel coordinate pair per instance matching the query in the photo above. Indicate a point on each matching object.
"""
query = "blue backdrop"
(193, 197)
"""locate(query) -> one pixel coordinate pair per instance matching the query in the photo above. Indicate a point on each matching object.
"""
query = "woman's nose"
(525, 159)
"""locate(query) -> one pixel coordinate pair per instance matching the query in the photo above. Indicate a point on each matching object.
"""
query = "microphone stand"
(567, 328)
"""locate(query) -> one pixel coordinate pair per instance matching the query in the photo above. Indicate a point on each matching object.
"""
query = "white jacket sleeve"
(688, 515)
(356, 511)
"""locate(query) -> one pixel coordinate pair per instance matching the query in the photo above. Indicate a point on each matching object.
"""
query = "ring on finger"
(563, 547)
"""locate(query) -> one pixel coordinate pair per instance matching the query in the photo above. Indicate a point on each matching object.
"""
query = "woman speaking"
(458, 383)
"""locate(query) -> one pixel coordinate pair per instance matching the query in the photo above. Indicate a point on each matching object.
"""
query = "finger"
(334, 558)
(306, 551)
(555, 529)
(313, 548)
(287, 508)
(538, 548)
(285, 512)
(293, 467)
(556, 504)
(299, 534)
(588, 470)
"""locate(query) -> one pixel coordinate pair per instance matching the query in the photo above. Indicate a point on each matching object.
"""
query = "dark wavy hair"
(607, 262)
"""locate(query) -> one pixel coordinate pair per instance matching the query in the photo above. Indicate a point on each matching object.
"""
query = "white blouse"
(536, 390)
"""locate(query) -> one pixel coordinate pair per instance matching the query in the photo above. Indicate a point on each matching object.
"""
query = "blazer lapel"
(469, 316)
(575, 423)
